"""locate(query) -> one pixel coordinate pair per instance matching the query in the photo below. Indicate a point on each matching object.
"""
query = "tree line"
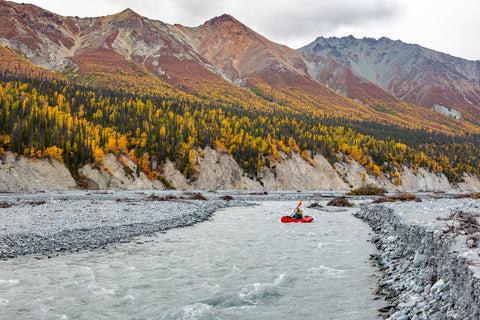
(78, 124)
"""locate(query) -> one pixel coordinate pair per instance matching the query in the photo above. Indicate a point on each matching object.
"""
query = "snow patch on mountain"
(448, 111)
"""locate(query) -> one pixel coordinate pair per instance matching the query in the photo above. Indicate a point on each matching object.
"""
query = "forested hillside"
(76, 89)
(77, 125)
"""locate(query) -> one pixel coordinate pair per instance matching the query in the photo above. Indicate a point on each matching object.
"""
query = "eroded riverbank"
(431, 267)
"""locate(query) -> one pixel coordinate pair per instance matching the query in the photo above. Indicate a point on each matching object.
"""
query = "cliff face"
(218, 171)
(20, 173)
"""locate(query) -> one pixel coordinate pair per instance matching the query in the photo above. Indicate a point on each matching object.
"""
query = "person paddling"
(297, 213)
(297, 216)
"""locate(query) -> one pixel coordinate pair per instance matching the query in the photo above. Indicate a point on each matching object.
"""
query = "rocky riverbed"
(427, 251)
(429, 258)
(46, 223)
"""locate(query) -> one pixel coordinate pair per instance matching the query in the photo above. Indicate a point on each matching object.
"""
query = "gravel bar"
(47, 223)
(430, 270)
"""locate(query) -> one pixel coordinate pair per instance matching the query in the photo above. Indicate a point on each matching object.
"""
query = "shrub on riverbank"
(401, 197)
(339, 202)
(367, 190)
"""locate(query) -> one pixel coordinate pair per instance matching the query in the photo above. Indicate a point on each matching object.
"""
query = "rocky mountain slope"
(217, 60)
(410, 72)
(120, 42)
(226, 71)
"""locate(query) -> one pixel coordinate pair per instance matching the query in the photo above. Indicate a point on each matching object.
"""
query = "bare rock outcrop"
(423, 180)
(219, 171)
(408, 179)
(175, 177)
(294, 173)
(20, 173)
(118, 173)
(355, 175)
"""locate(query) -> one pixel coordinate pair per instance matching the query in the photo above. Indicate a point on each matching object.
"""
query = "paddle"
(293, 213)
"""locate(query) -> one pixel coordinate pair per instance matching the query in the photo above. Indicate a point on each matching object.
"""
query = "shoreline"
(428, 272)
(50, 222)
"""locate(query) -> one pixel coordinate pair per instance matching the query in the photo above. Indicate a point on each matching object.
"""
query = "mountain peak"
(127, 13)
(223, 18)
(227, 25)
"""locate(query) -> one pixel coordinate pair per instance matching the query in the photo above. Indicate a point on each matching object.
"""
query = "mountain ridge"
(195, 60)
(411, 73)
(185, 57)
(163, 92)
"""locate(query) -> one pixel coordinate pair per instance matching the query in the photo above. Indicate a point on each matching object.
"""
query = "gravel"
(52, 222)
(428, 271)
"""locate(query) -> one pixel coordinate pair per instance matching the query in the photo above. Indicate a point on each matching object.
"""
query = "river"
(241, 264)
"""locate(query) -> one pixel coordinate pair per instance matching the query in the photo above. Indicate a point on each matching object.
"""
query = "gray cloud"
(432, 23)
(308, 19)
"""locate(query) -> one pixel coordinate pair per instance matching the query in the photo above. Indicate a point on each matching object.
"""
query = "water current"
(241, 264)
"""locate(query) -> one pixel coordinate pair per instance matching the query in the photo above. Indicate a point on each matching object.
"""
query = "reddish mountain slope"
(240, 53)
(250, 60)
(132, 52)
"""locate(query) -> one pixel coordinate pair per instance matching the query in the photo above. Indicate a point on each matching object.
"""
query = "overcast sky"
(448, 26)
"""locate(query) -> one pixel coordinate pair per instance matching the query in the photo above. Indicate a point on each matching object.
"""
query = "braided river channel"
(243, 263)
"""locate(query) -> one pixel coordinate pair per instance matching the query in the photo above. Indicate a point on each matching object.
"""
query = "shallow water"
(242, 264)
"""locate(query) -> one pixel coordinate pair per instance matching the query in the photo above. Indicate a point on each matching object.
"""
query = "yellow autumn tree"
(54, 153)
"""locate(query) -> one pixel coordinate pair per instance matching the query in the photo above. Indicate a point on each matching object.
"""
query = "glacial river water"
(241, 264)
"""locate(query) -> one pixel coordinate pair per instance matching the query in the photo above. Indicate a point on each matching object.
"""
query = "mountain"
(275, 72)
(410, 72)
(76, 89)
(124, 43)
(223, 56)
(241, 54)
(282, 74)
